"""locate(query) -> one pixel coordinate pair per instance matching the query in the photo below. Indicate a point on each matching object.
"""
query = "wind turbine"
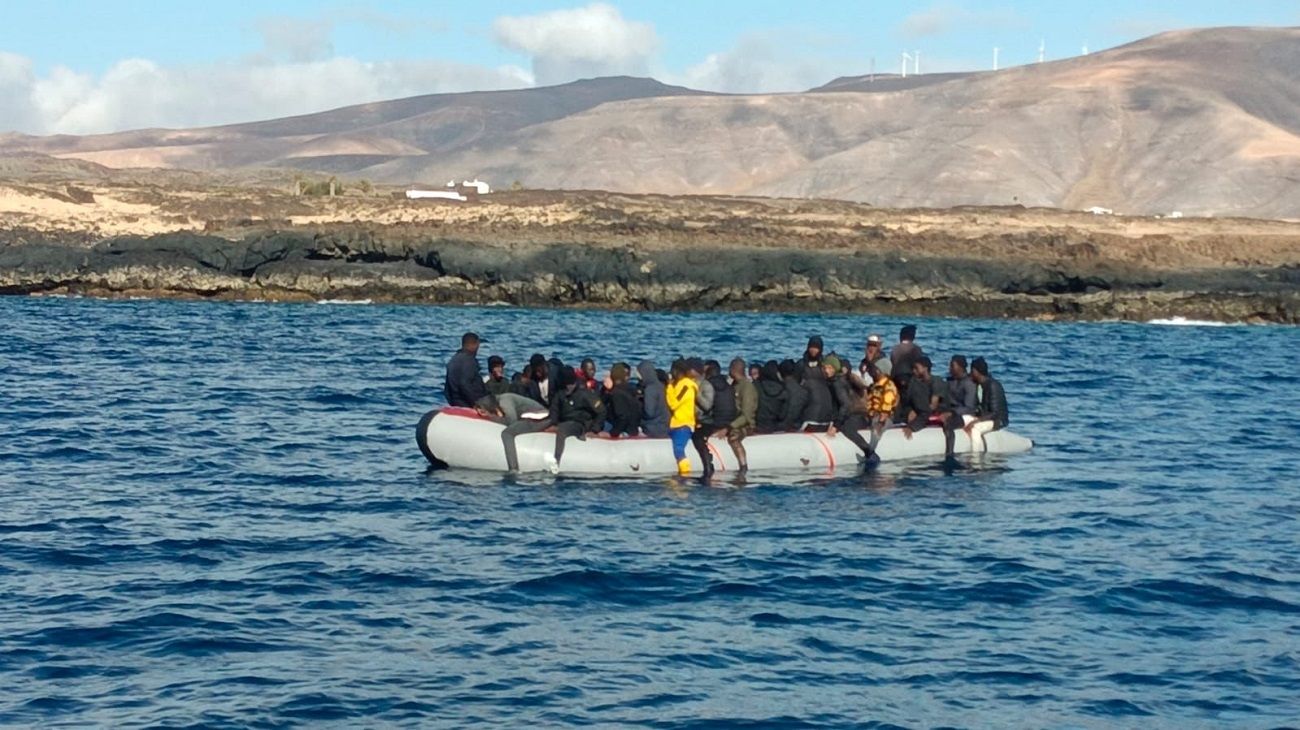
(995, 57)
(906, 57)
(1085, 49)
(916, 62)
(1042, 49)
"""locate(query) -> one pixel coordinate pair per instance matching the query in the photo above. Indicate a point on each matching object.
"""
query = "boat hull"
(458, 438)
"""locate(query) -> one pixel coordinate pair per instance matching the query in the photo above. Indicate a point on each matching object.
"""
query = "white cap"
(874, 339)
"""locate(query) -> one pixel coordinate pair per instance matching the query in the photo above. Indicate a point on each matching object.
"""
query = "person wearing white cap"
(876, 354)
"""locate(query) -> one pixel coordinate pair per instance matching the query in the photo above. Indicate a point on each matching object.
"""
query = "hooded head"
(831, 366)
(771, 371)
(646, 370)
(568, 379)
(815, 347)
(788, 369)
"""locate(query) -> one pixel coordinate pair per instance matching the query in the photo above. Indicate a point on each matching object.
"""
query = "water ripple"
(213, 515)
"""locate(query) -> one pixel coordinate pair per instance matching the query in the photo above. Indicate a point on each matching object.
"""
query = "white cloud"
(139, 93)
(761, 63)
(595, 40)
(296, 72)
(17, 78)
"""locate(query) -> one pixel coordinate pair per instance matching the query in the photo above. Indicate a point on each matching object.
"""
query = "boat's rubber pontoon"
(459, 438)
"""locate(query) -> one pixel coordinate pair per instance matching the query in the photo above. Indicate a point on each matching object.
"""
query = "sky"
(94, 66)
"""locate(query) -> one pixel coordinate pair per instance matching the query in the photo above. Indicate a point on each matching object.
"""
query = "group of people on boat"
(697, 399)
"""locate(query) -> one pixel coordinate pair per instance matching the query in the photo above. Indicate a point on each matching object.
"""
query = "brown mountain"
(1203, 122)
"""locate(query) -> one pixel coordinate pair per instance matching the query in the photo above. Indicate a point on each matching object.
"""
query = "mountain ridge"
(1199, 121)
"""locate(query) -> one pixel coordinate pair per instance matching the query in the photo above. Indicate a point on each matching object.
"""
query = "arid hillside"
(1200, 122)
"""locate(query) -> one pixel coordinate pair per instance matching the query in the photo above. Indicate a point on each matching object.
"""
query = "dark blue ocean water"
(215, 514)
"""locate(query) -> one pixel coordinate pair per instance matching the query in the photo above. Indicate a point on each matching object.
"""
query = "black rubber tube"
(422, 439)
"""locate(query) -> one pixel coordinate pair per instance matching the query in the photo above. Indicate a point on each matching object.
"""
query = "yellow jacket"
(882, 397)
(681, 403)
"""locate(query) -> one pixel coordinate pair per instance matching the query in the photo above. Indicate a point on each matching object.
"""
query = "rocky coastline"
(413, 265)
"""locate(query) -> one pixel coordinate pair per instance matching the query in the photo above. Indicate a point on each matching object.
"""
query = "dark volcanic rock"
(357, 263)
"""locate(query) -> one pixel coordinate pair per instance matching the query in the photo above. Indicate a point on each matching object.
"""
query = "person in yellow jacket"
(682, 390)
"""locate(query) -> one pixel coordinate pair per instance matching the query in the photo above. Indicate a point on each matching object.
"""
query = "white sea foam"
(1185, 322)
(344, 301)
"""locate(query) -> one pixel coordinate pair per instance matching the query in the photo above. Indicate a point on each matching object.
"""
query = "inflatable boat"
(460, 438)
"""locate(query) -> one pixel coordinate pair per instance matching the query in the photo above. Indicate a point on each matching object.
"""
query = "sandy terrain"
(110, 208)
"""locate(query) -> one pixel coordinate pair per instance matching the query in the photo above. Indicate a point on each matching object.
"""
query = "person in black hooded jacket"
(771, 398)
(575, 412)
(820, 410)
(810, 364)
(796, 397)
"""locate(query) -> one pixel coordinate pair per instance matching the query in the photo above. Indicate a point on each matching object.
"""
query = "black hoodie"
(796, 396)
(771, 399)
(579, 406)
(821, 403)
(809, 366)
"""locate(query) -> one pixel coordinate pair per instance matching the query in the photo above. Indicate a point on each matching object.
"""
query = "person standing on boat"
(714, 408)
(745, 399)
(903, 356)
(991, 413)
(464, 385)
(681, 395)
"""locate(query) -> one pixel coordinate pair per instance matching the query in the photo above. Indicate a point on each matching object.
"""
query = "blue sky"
(96, 65)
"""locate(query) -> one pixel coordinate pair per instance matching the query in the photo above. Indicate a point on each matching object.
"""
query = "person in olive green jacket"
(746, 412)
